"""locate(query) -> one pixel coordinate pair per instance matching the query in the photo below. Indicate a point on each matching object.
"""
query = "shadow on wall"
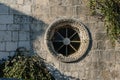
(58, 75)
(17, 30)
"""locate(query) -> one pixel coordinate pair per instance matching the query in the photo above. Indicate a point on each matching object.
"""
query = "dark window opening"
(66, 40)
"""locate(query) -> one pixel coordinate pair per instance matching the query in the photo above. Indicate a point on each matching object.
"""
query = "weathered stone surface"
(6, 19)
(2, 46)
(70, 11)
(24, 22)
(25, 44)
(13, 27)
(101, 36)
(5, 35)
(117, 46)
(4, 55)
(21, 19)
(3, 9)
(11, 46)
(3, 27)
(25, 27)
(61, 10)
(24, 35)
(15, 36)
(25, 9)
(20, 1)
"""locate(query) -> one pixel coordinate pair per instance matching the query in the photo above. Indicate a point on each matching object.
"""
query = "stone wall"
(14, 27)
(23, 24)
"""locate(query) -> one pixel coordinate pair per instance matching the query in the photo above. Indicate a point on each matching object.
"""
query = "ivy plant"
(110, 9)
(25, 68)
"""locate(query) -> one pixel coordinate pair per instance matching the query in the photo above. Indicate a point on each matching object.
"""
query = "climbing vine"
(110, 10)
(25, 68)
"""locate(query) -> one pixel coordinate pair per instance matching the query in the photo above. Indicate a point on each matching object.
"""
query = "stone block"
(105, 56)
(4, 9)
(109, 45)
(70, 11)
(6, 19)
(8, 2)
(66, 2)
(81, 11)
(67, 73)
(61, 10)
(25, 27)
(4, 55)
(42, 2)
(101, 36)
(55, 2)
(14, 27)
(29, 2)
(99, 45)
(5, 35)
(25, 44)
(117, 57)
(69, 2)
(21, 19)
(76, 2)
(65, 67)
(81, 73)
(112, 56)
(24, 35)
(117, 46)
(14, 9)
(25, 9)
(2, 46)
(38, 27)
(95, 56)
(100, 27)
(53, 11)
(15, 36)
(12, 54)
(118, 69)
(3, 27)
(11, 46)
(20, 1)
(75, 74)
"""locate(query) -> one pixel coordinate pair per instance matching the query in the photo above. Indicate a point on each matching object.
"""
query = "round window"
(67, 39)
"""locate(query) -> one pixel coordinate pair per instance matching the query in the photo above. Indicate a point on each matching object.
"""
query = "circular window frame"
(81, 30)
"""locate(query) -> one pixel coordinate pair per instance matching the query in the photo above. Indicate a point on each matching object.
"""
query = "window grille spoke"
(66, 41)
(73, 35)
(57, 40)
(66, 32)
(60, 35)
(75, 41)
(73, 47)
(66, 50)
(60, 47)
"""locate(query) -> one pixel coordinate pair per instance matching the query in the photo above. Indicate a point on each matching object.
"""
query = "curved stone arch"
(83, 34)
